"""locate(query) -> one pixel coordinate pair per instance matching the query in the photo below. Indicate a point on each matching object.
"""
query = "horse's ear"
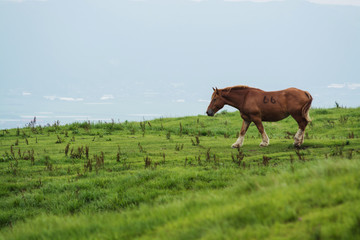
(213, 89)
(216, 90)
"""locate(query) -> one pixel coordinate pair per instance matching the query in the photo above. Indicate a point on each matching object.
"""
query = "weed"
(56, 124)
(349, 154)
(6, 157)
(179, 147)
(331, 123)
(208, 155)
(289, 135)
(88, 165)
(75, 131)
(19, 153)
(86, 126)
(143, 127)
(238, 157)
(216, 159)
(12, 151)
(48, 165)
(118, 157)
(337, 150)
(77, 154)
(118, 154)
(87, 152)
(351, 135)
(39, 183)
(147, 161)
(24, 135)
(59, 140)
(100, 160)
(32, 158)
(132, 130)
(13, 168)
(180, 129)
(67, 149)
(243, 165)
(291, 158)
(168, 135)
(141, 149)
(343, 119)
(163, 159)
(29, 156)
(300, 154)
(266, 160)
(196, 142)
(198, 158)
(31, 124)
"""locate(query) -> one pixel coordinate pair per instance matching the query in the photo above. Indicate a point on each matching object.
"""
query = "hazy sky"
(128, 60)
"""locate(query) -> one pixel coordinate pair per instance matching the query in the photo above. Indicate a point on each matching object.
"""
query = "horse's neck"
(235, 98)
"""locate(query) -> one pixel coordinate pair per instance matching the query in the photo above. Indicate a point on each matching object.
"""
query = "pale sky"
(141, 59)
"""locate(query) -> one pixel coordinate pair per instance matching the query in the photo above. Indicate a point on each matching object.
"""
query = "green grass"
(179, 179)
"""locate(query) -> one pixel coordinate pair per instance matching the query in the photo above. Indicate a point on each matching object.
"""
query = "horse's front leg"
(239, 142)
(265, 140)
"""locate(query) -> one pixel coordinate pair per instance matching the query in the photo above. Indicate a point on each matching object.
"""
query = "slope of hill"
(179, 179)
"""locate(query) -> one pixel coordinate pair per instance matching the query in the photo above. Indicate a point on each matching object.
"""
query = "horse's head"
(217, 103)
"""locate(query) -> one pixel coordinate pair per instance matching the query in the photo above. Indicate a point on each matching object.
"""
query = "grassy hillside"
(179, 179)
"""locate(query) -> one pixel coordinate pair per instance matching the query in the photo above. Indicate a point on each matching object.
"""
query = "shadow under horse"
(256, 105)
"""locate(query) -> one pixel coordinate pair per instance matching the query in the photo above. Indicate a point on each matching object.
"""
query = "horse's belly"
(274, 117)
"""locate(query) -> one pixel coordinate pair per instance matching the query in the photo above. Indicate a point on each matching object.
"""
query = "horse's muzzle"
(210, 112)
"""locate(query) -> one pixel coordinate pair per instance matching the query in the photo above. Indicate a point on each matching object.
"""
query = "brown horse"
(256, 105)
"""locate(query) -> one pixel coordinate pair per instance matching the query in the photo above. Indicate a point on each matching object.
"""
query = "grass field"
(178, 178)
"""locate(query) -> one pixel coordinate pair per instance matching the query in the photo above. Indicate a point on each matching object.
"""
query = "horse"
(256, 105)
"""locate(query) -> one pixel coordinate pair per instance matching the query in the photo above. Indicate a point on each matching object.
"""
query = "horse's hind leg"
(265, 139)
(299, 136)
(239, 142)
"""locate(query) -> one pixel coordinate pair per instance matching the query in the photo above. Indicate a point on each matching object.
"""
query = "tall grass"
(178, 178)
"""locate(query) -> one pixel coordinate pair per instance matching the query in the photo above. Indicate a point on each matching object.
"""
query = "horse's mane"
(235, 87)
(240, 87)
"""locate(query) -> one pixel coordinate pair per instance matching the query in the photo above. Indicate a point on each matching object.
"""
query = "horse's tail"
(305, 109)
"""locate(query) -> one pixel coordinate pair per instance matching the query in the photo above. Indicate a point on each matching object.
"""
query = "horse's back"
(269, 105)
(277, 105)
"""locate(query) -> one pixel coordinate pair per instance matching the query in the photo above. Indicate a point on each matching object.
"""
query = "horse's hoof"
(264, 144)
(235, 146)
